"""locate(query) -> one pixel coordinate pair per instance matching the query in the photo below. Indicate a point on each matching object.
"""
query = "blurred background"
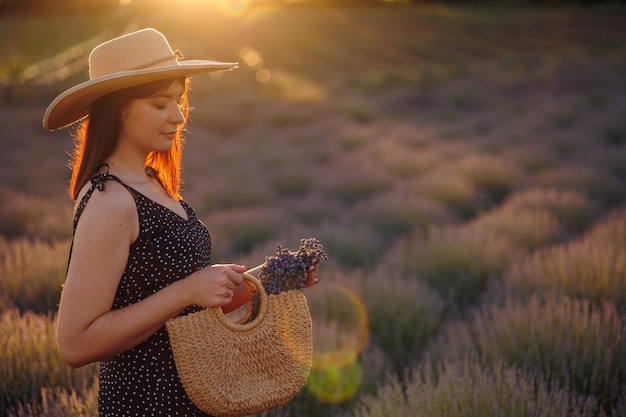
(463, 163)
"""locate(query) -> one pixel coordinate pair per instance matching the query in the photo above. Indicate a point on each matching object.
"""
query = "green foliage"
(393, 215)
(312, 211)
(22, 214)
(353, 142)
(358, 112)
(539, 217)
(470, 389)
(493, 175)
(32, 272)
(597, 183)
(459, 262)
(293, 185)
(570, 343)
(575, 211)
(240, 230)
(452, 189)
(58, 402)
(404, 315)
(591, 267)
(527, 228)
(351, 191)
(31, 361)
(352, 246)
(381, 80)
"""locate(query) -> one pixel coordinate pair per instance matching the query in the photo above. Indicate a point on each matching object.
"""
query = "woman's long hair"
(97, 137)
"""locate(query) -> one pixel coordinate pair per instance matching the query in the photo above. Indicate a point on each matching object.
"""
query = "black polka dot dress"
(143, 381)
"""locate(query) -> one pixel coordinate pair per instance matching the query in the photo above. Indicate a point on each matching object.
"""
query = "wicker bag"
(231, 369)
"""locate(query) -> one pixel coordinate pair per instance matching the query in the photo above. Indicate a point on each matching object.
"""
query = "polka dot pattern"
(143, 381)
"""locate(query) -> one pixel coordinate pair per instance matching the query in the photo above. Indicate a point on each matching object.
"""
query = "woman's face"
(150, 124)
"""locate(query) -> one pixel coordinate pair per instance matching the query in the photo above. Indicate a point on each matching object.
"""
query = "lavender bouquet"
(288, 270)
(284, 271)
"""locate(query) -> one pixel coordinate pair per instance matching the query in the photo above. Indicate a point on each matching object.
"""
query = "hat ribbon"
(177, 55)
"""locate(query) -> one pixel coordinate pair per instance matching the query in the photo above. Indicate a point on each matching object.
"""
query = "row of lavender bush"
(468, 187)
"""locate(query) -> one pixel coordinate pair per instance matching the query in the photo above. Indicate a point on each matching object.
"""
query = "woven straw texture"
(141, 49)
(230, 369)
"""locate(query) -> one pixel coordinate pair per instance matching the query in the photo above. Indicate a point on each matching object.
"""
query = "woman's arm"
(88, 330)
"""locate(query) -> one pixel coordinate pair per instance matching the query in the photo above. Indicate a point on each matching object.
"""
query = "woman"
(140, 256)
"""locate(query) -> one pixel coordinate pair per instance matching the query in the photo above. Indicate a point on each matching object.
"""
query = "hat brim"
(75, 103)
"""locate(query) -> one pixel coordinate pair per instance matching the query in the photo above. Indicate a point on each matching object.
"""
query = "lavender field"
(465, 169)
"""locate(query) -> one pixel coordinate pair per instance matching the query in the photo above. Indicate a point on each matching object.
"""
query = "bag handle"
(262, 311)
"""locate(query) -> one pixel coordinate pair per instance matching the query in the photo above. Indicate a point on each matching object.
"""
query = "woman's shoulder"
(109, 214)
(112, 200)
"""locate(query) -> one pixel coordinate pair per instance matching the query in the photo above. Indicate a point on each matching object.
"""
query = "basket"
(230, 369)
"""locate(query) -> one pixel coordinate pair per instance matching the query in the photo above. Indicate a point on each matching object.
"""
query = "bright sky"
(228, 7)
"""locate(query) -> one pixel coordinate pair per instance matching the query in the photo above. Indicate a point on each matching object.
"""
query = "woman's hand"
(215, 285)
(312, 274)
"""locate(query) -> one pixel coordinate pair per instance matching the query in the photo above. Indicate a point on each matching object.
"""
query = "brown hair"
(98, 135)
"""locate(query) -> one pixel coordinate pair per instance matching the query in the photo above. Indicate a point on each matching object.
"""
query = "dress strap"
(97, 183)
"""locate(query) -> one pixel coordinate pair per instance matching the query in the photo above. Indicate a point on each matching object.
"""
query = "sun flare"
(231, 8)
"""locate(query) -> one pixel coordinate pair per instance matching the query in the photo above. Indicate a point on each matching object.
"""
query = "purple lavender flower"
(288, 270)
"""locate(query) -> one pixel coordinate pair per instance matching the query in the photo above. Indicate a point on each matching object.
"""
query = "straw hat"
(136, 58)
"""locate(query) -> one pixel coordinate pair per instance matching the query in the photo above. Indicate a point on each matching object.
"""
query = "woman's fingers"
(312, 274)
(232, 273)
